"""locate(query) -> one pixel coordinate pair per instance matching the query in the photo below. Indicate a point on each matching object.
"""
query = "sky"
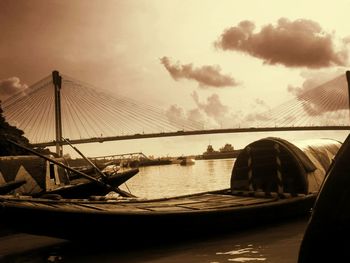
(217, 62)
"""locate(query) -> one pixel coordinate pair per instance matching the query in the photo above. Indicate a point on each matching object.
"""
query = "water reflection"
(244, 254)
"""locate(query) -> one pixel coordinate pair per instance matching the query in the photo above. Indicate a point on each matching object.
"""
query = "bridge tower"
(348, 80)
(57, 82)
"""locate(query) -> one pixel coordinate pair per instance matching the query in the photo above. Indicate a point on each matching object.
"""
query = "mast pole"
(57, 82)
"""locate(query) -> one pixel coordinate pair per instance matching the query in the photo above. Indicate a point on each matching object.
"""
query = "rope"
(280, 189)
(250, 169)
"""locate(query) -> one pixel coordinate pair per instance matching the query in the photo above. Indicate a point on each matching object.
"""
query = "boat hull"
(163, 218)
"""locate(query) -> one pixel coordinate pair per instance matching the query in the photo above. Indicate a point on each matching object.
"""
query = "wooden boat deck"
(198, 214)
(198, 202)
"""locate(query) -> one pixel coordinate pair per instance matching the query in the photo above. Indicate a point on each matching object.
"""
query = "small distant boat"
(187, 161)
(272, 179)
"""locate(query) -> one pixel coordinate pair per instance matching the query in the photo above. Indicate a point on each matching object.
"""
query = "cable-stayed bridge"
(60, 106)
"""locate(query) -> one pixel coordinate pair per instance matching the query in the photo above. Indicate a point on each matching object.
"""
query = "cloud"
(175, 113)
(322, 92)
(196, 115)
(211, 113)
(212, 107)
(256, 117)
(299, 43)
(206, 76)
(11, 86)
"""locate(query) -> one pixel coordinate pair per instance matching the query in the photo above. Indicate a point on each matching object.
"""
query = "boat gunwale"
(19, 203)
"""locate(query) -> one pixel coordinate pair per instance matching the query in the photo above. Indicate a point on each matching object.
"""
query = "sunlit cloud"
(299, 43)
(206, 76)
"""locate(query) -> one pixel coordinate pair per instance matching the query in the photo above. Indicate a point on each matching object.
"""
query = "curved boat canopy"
(275, 165)
(39, 173)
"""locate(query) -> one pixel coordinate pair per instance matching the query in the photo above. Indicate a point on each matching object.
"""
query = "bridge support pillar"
(57, 82)
(348, 80)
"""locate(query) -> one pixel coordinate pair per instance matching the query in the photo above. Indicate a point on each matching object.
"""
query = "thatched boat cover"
(276, 165)
(39, 173)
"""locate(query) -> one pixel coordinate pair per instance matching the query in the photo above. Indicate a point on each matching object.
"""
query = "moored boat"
(84, 188)
(287, 188)
(40, 176)
(187, 161)
(227, 151)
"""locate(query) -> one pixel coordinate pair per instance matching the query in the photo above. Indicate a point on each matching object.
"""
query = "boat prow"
(84, 188)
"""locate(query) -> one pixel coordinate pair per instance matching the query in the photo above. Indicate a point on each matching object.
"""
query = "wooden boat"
(44, 177)
(85, 188)
(290, 190)
(186, 215)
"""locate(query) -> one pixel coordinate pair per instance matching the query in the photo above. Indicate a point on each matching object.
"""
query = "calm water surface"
(272, 243)
(176, 179)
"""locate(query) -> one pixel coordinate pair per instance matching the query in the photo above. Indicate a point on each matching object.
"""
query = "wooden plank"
(258, 201)
(169, 208)
(209, 205)
(167, 203)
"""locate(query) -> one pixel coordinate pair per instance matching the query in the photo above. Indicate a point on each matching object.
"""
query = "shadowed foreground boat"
(327, 237)
(272, 179)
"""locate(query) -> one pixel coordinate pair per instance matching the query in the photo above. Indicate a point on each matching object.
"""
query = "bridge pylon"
(348, 80)
(57, 83)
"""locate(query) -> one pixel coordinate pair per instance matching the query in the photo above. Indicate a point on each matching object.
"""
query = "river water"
(277, 243)
(176, 179)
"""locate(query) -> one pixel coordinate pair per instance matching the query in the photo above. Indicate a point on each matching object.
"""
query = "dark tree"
(11, 132)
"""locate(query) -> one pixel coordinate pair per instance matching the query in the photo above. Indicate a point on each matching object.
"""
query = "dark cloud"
(319, 96)
(299, 43)
(11, 86)
(206, 76)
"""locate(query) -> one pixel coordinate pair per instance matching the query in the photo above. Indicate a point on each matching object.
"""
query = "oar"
(86, 159)
(107, 186)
